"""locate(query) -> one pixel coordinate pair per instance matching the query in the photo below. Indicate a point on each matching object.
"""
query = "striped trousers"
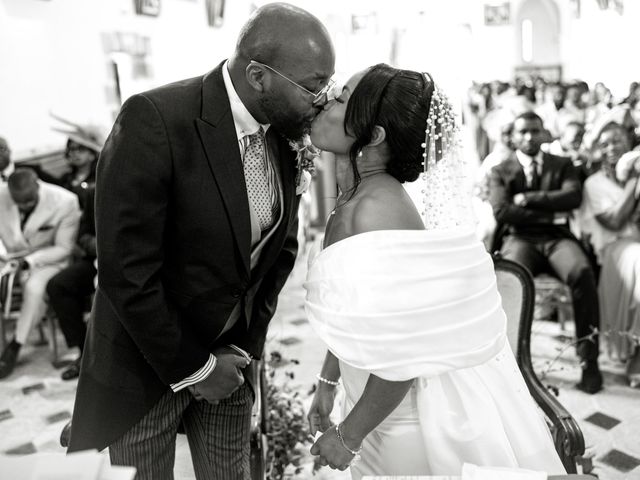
(218, 437)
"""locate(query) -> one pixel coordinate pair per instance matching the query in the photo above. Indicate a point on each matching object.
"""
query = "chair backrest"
(517, 290)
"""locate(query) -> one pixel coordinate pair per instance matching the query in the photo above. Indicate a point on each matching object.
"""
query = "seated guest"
(38, 227)
(82, 154)
(69, 290)
(549, 111)
(573, 108)
(84, 143)
(609, 215)
(502, 150)
(569, 144)
(532, 194)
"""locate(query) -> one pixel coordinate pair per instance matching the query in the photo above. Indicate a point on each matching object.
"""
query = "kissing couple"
(196, 224)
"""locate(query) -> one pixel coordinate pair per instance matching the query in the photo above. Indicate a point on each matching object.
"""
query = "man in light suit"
(532, 194)
(38, 227)
(196, 223)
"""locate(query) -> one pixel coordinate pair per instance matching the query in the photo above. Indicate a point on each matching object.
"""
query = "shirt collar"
(525, 160)
(244, 122)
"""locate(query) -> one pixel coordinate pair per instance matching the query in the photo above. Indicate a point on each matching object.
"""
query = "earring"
(360, 153)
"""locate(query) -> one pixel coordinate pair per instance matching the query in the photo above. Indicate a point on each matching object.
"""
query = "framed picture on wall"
(497, 14)
(551, 73)
(576, 8)
(148, 7)
(215, 12)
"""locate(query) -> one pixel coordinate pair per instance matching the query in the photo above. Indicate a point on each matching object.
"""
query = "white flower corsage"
(306, 153)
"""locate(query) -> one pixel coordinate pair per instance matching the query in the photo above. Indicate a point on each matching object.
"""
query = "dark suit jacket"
(174, 234)
(560, 191)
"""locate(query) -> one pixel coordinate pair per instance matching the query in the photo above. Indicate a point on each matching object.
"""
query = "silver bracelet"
(341, 438)
(327, 381)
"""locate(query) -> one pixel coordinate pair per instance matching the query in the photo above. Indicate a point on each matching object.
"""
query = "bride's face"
(327, 130)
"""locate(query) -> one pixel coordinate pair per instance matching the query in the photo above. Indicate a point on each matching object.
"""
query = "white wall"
(597, 46)
(52, 56)
(603, 46)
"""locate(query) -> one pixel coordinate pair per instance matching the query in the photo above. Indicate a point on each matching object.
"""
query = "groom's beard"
(293, 126)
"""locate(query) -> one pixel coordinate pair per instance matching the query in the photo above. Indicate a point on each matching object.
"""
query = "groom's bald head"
(283, 57)
(279, 33)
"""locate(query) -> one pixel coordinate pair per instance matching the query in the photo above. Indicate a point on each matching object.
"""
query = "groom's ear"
(255, 76)
(378, 136)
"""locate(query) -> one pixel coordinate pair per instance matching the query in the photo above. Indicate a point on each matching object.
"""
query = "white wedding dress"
(424, 305)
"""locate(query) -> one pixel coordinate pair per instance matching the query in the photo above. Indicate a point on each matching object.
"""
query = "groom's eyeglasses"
(320, 98)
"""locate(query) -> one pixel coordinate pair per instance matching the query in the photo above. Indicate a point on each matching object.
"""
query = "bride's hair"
(398, 101)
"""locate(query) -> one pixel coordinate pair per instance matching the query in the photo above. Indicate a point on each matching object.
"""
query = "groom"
(196, 216)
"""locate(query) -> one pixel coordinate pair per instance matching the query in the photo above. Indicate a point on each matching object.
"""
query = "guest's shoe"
(9, 358)
(73, 371)
(591, 381)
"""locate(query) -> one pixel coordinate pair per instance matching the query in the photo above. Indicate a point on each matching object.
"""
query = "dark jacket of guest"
(560, 191)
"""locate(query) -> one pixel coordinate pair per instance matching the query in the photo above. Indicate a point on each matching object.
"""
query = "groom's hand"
(225, 379)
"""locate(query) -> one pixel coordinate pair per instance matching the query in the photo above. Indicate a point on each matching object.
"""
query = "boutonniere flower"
(306, 153)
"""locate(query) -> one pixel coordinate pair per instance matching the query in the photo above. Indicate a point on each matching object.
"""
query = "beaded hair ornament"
(445, 200)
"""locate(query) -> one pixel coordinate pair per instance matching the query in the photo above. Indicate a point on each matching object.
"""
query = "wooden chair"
(517, 290)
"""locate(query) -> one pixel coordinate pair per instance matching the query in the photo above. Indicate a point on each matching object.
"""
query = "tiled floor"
(35, 403)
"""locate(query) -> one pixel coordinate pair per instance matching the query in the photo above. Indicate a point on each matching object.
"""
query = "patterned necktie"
(259, 180)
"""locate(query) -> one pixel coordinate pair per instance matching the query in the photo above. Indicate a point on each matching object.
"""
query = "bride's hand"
(321, 408)
(331, 451)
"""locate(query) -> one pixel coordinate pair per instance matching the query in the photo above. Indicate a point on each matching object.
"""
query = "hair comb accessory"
(445, 202)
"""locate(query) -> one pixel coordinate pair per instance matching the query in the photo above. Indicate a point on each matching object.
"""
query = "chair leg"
(6, 291)
(3, 333)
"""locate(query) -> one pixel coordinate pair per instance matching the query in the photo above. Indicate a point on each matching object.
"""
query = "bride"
(411, 316)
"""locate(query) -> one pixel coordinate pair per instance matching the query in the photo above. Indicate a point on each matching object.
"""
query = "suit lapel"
(40, 214)
(219, 140)
(516, 172)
